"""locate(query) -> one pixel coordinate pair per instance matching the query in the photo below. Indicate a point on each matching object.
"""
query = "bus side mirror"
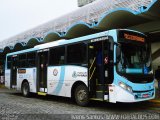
(118, 52)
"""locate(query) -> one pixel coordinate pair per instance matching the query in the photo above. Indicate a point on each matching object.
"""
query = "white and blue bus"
(113, 66)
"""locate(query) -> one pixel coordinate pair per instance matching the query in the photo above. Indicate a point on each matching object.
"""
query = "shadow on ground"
(120, 107)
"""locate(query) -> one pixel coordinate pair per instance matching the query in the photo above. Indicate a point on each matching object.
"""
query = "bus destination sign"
(133, 37)
(126, 36)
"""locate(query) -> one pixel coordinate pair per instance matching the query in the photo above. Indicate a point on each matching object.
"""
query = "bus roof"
(22, 51)
(60, 42)
(63, 41)
(79, 39)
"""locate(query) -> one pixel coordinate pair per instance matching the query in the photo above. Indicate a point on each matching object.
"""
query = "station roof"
(143, 16)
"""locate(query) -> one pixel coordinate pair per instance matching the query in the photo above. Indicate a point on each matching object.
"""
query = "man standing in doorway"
(157, 76)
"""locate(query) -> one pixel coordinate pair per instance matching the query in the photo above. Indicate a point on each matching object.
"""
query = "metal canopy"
(141, 15)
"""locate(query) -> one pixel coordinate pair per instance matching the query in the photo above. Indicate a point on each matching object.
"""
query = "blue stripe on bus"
(61, 81)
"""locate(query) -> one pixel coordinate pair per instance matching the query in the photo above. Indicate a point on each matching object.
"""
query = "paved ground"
(16, 107)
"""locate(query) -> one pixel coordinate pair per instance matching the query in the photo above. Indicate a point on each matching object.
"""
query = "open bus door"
(100, 73)
(42, 70)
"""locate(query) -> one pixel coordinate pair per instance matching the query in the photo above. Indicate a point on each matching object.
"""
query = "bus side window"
(57, 56)
(22, 61)
(77, 53)
(31, 59)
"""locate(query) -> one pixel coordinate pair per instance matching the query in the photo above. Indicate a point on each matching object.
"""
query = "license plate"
(145, 95)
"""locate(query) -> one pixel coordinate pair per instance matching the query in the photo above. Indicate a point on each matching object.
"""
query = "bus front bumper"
(121, 95)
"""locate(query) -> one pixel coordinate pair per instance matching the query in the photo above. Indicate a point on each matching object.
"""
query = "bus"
(113, 66)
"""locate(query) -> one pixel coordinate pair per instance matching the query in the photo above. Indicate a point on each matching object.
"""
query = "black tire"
(81, 95)
(25, 89)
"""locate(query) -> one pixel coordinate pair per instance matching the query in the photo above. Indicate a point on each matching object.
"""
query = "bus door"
(98, 69)
(42, 70)
(14, 71)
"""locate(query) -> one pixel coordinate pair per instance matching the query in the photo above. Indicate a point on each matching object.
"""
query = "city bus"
(113, 66)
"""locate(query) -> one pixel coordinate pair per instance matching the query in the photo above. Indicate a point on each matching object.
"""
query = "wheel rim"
(25, 89)
(82, 95)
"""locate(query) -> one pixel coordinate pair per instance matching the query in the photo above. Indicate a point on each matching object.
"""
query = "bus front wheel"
(25, 89)
(81, 95)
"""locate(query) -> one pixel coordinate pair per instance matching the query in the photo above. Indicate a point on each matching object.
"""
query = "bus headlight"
(124, 86)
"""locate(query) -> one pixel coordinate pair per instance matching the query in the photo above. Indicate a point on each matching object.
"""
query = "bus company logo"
(55, 72)
(79, 74)
(74, 75)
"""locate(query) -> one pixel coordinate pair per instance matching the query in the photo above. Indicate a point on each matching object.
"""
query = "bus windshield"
(135, 59)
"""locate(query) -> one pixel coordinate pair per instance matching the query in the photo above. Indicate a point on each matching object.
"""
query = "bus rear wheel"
(25, 89)
(81, 95)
